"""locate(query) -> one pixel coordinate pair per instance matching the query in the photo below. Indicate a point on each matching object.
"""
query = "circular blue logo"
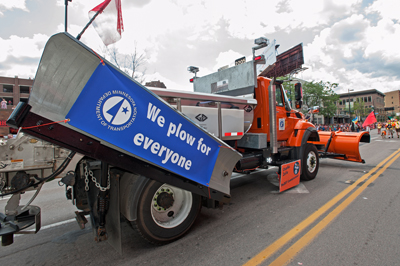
(117, 110)
(296, 168)
(281, 124)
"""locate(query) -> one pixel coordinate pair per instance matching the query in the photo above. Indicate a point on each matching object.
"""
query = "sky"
(355, 43)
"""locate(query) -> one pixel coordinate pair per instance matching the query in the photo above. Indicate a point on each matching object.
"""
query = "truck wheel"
(310, 162)
(165, 212)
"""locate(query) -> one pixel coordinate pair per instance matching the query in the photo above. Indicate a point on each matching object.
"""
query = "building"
(392, 103)
(360, 104)
(12, 91)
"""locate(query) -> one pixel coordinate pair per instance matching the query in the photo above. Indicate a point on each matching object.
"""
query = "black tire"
(310, 162)
(166, 216)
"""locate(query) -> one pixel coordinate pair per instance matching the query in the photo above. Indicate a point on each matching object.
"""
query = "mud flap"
(113, 219)
(342, 145)
(289, 175)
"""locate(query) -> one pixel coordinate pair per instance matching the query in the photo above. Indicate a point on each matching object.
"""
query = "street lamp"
(348, 92)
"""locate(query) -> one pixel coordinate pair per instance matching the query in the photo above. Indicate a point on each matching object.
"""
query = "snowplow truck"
(153, 157)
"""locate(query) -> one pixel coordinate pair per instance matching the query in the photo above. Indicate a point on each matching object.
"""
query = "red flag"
(370, 119)
(108, 23)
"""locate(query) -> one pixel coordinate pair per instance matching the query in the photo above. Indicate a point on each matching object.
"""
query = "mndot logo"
(296, 168)
(116, 110)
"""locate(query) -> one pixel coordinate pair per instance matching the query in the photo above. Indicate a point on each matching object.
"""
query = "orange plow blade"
(341, 145)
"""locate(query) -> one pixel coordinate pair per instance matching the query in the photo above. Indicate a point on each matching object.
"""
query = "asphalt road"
(348, 215)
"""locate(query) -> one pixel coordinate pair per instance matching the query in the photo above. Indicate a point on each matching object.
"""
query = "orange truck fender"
(303, 132)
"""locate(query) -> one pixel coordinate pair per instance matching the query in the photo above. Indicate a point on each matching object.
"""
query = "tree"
(360, 109)
(129, 63)
(316, 94)
(321, 94)
(289, 88)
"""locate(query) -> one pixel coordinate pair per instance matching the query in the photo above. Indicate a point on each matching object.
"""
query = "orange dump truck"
(155, 157)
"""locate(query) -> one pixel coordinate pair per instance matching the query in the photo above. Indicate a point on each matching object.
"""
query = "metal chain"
(86, 179)
(88, 173)
(2, 181)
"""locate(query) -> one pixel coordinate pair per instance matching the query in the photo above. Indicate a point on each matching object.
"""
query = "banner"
(115, 109)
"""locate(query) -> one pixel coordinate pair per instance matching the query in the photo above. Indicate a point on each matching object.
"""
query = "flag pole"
(87, 25)
(66, 14)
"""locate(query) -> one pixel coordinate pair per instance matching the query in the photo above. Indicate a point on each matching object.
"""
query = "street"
(348, 215)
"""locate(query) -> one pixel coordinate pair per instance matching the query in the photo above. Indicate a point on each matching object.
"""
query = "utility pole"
(348, 92)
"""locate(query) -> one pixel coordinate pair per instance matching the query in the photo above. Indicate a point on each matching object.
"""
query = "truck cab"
(286, 117)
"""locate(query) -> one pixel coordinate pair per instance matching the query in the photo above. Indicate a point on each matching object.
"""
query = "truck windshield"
(278, 94)
(287, 104)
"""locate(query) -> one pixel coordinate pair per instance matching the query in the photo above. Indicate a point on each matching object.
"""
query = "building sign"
(121, 112)
(3, 123)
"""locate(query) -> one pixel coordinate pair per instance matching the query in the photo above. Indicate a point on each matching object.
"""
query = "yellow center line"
(279, 243)
(307, 238)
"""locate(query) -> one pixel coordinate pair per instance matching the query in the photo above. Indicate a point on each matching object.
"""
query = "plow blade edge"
(342, 145)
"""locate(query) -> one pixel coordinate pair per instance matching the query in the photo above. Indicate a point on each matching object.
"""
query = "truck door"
(285, 118)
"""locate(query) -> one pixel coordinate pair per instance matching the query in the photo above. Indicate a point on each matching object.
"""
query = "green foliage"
(360, 109)
(289, 88)
(316, 94)
(321, 94)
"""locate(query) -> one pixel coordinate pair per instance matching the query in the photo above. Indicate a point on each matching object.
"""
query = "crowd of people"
(386, 130)
(345, 127)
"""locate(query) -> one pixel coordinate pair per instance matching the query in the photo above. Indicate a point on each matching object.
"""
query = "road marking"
(288, 255)
(57, 224)
(300, 188)
(51, 225)
(47, 226)
(300, 244)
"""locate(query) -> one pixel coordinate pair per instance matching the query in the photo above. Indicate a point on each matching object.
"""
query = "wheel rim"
(170, 206)
(311, 161)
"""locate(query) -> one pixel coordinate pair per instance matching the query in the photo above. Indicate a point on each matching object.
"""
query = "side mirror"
(298, 95)
(298, 91)
(299, 104)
